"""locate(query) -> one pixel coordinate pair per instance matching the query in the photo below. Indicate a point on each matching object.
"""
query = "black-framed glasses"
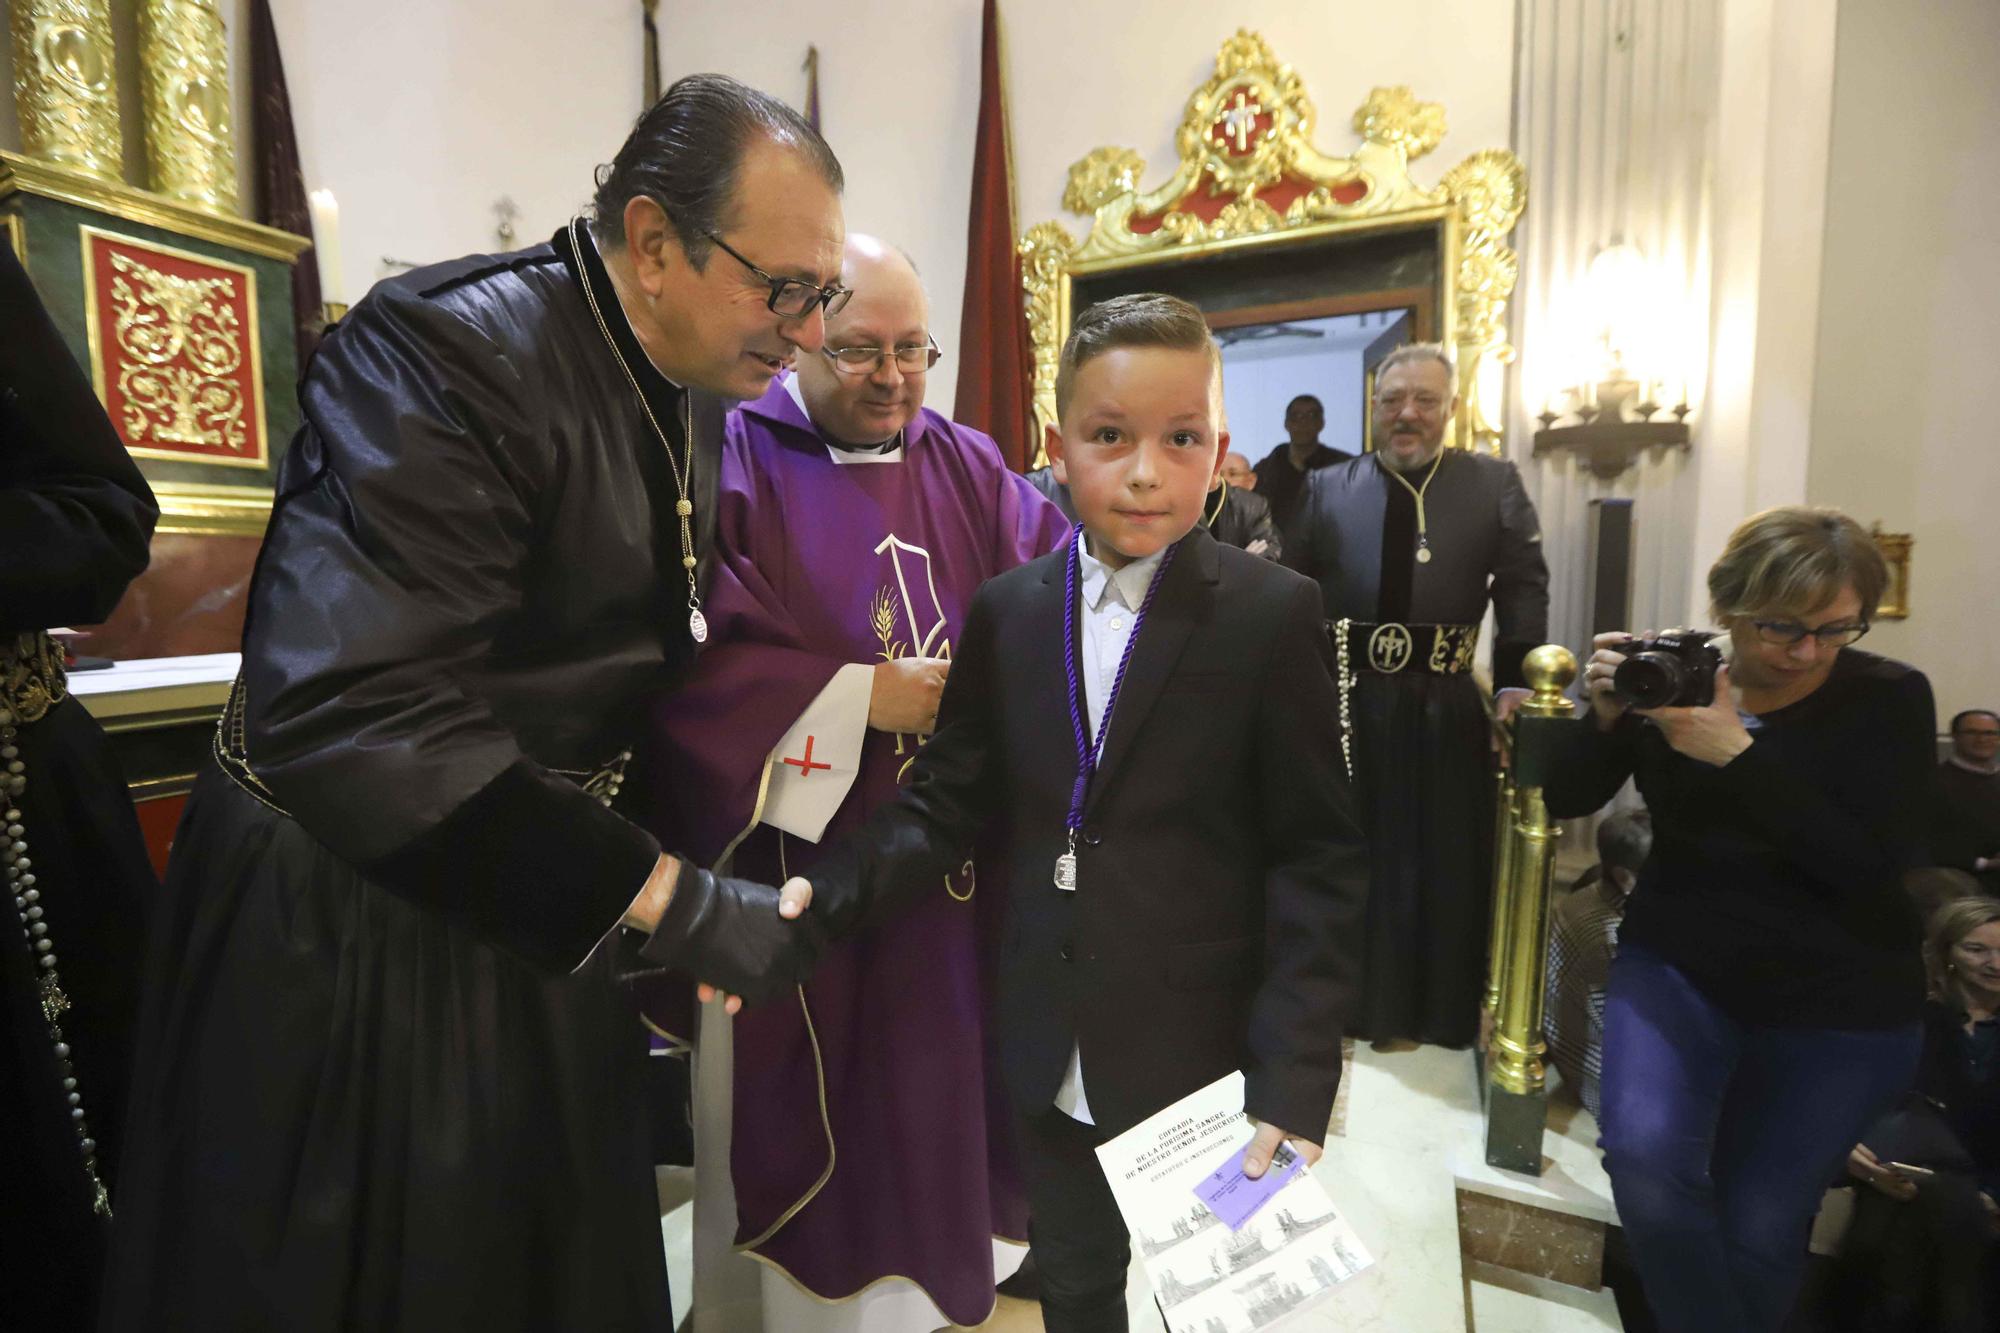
(791, 298)
(911, 358)
(1784, 633)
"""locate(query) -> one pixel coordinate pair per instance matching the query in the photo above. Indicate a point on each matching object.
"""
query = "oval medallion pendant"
(698, 626)
(1424, 555)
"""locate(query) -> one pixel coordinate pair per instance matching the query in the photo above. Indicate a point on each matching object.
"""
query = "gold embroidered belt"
(1393, 649)
(32, 679)
(603, 782)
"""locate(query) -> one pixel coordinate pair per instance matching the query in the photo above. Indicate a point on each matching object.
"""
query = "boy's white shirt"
(1111, 601)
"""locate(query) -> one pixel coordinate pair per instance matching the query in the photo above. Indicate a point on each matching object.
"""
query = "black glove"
(726, 932)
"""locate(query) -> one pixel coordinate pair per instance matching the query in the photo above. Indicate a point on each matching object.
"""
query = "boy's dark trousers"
(1079, 1239)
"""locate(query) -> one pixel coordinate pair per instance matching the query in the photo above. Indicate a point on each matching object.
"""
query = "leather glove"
(726, 932)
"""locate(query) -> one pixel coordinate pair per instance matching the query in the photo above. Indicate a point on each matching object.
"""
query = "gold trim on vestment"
(826, 1127)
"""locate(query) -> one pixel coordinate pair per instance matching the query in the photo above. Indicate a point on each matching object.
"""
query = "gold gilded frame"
(252, 333)
(1474, 207)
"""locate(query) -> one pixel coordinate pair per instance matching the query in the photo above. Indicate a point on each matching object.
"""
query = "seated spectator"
(1965, 833)
(1920, 1252)
(1583, 936)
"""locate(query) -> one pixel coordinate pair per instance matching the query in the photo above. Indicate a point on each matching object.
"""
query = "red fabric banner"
(994, 366)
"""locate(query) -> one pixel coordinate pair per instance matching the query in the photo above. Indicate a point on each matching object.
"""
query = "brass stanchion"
(1503, 843)
(1517, 1100)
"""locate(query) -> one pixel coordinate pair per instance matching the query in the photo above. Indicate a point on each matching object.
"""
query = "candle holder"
(1614, 420)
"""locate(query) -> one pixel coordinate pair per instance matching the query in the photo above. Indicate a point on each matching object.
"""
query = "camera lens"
(1648, 680)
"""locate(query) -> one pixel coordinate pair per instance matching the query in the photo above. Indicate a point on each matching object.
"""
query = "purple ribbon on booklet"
(1234, 1197)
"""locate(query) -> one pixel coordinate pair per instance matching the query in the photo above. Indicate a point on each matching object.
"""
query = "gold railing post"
(66, 85)
(1503, 845)
(184, 76)
(1517, 1101)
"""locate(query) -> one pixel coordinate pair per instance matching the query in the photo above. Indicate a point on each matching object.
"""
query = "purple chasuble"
(901, 1166)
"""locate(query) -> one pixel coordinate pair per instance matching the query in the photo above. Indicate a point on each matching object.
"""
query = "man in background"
(1966, 834)
(1281, 477)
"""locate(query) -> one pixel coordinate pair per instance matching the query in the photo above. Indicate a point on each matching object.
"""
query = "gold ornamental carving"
(1249, 174)
(183, 345)
(184, 79)
(173, 350)
(66, 85)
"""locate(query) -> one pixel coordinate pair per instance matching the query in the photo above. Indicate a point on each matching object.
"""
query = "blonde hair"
(1949, 925)
(1795, 559)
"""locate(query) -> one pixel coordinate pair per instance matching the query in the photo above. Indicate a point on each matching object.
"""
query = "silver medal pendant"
(698, 625)
(1066, 872)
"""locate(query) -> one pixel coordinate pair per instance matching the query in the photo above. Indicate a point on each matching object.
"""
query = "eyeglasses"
(1427, 403)
(792, 298)
(911, 359)
(1977, 733)
(1784, 633)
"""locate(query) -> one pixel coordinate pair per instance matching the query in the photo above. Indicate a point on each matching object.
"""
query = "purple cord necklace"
(1088, 751)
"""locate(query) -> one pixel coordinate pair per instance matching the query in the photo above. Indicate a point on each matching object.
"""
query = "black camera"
(1675, 670)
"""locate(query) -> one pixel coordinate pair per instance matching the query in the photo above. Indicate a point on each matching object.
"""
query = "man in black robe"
(389, 1077)
(75, 516)
(1409, 544)
(1282, 473)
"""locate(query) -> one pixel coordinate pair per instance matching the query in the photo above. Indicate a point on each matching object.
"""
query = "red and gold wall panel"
(174, 350)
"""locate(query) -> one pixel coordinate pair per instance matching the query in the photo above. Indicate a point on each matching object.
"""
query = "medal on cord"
(683, 476)
(1089, 751)
(1417, 493)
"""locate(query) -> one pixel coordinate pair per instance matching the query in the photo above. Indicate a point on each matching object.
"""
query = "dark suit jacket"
(1238, 517)
(1221, 874)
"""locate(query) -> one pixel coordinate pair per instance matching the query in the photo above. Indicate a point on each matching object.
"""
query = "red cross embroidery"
(806, 765)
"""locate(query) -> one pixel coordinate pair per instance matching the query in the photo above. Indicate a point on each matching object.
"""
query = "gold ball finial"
(1550, 669)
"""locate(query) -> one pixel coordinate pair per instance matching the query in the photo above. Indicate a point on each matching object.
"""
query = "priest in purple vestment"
(853, 527)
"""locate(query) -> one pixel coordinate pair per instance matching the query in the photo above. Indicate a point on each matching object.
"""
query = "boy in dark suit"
(1148, 722)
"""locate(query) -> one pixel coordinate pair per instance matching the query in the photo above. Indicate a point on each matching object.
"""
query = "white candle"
(326, 244)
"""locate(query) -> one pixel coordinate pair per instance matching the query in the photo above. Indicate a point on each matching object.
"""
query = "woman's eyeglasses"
(1784, 633)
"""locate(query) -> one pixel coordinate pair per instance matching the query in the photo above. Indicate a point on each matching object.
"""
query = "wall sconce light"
(1896, 548)
(1607, 420)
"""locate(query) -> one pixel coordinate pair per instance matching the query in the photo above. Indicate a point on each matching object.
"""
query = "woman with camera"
(1766, 1002)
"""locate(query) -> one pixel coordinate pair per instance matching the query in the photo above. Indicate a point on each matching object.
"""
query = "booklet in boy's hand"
(1225, 1254)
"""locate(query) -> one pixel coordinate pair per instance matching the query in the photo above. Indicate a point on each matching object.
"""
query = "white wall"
(1257, 389)
(1909, 322)
(419, 114)
(899, 90)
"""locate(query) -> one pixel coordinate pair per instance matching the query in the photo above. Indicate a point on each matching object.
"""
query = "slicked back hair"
(1421, 352)
(686, 154)
(1143, 319)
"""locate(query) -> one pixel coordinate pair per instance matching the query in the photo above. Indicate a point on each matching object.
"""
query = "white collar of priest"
(1097, 579)
(889, 451)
